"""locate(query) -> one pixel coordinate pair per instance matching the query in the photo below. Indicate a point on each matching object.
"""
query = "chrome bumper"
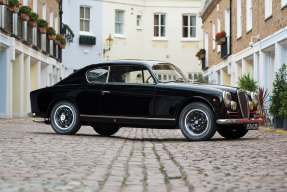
(238, 121)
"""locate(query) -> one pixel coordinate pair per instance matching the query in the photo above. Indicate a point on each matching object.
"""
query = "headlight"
(227, 98)
(251, 105)
(255, 98)
(233, 105)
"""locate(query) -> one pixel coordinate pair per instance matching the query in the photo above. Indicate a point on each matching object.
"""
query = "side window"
(129, 74)
(97, 75)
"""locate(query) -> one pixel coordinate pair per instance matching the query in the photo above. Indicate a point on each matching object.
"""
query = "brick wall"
(260, 25)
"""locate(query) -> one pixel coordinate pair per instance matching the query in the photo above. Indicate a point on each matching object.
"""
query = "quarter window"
(85, 18)
(119, 22)
(188, 26)
(159, 25)
(98, 75)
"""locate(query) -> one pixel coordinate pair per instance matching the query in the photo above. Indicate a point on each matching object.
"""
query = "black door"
(129, 92)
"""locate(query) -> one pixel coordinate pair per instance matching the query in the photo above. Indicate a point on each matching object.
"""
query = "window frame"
(283, 3)
(122, 24)
(86, 74)
(218, 30)
(213, 36)
(239, 19)
(268, 9)
(139, 20)
(159, 25)
(189, 15)
(85, 19)
(248, 15)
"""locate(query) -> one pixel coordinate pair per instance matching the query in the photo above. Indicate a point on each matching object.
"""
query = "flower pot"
(3, 2)
(51, 37)
(24, 16)
(13, 9)
(62, 46)
(57, 42)
(278, 122)
(202, 56)
(222, 39)
(32, 23)
(43, 30)
(285, 123)
(218, 42)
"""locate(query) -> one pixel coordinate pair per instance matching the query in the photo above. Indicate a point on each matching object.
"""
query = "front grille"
(243, 103)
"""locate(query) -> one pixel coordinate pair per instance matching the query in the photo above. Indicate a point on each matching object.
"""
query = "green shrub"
(13, 3)
(247, 82)
(42, 23)
(283, 102)
(51, 31)
(25, 10)
(33, 17)
(278, 87)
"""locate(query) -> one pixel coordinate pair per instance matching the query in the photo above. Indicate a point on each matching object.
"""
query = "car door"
(129, 92)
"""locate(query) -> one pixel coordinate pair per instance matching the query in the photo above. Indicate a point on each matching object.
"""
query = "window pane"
(155, 19)
(87, 25)
(192, 21)
(147, 77)
(81, 25)
(192, 32)
(162, 32)
(119, 17)
(162, 22)
(185, 21)
(98, 75)
(82, 12)
(87, 13)
(156, 34)
(119, 28)
(126, 74)
(185, 32)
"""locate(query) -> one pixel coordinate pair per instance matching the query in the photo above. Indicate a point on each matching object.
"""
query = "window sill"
(159, 39)
(139, 28)
(248, 31)
(268, 17)
(283, 6)
(86, 33)
(189, 39)
(119, 36)
(238, 38)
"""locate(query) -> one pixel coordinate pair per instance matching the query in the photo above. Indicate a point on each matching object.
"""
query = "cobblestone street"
(34, 158)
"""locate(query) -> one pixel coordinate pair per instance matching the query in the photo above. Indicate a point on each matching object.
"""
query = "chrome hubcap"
(64, 117)
(196, 122)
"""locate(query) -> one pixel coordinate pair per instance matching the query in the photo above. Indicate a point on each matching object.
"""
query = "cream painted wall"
(16, 86)
(33, 78)
(138, 43)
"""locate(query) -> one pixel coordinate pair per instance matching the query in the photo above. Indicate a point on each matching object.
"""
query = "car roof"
(130, 62)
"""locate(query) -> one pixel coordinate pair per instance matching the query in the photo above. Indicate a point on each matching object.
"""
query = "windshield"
(168, 73)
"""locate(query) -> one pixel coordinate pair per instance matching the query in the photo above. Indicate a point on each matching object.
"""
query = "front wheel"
(106, 129)
(64, 118)
(196, 122)
(232, 132)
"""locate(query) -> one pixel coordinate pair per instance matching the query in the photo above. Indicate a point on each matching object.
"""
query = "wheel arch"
(53, 102)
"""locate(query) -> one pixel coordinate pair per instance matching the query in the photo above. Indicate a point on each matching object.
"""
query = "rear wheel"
(233, 132)
(196, 122)
(106, 129)
(64, 118)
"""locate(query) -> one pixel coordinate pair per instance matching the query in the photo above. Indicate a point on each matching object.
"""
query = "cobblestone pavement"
(34, 158)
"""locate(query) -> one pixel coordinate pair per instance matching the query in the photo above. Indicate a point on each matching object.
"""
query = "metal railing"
(12, 25)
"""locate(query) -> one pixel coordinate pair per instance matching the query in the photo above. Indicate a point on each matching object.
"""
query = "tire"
(196, 122)
(232, 132)
(64, 118)
(106, 129)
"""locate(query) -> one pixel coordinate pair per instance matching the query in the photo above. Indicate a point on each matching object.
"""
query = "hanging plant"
(51, 33)
(33, 19)
(58, 39)
(200, 54)
(13, 6)
(25, 12)
(42, 25)
(63, 43)
(220, 38)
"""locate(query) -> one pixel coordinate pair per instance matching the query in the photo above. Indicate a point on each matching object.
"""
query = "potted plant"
(220, 38)
(63, 43)
(25, 13)
(33, 19)
(87, 40)
(278, 87)
(200, 54)
(283, 107)
(3, 2)
(42, 25)
(247, 82)
(58, 39)
(13, 6)
(51, 33)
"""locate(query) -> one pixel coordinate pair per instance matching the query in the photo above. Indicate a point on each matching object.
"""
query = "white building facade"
(166, 30)
(85, 19)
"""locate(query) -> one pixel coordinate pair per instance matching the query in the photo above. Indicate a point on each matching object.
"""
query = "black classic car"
(148, 94)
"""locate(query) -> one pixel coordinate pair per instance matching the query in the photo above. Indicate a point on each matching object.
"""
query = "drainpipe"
(230, 29)
(61, 16)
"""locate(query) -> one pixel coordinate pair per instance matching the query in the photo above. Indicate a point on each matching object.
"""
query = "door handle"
(105, 92)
